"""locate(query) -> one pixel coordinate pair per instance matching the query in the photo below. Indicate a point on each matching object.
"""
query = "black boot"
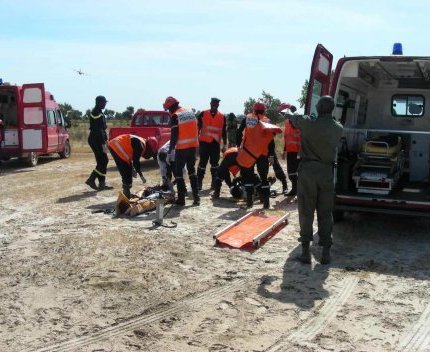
(265, 191)
(325, 257)
(293, 191)
(305, 257)
(180, 183)
(102, 184)
(284, 186)
(195, 189)
(200, 176)
(91, 181)
(217, 188)
(126, 190)
(214, 172)
(249, 196)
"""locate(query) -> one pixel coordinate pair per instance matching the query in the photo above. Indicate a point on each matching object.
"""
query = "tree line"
(73, 115)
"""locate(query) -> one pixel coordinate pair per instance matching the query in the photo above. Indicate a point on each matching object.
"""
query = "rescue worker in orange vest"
(257, 147)
(277, 168)
(126, 150)
(184, 139)
(212, 128)
(292, 140)
(228, 166)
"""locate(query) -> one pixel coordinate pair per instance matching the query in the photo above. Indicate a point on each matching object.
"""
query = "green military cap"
(215, 100)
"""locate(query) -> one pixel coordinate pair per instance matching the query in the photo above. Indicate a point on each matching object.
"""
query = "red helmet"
(152, 143)
(283, 106)
(259, 107)
(169, 102)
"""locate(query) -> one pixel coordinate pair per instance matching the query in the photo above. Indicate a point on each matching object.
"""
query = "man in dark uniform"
(184, 140)
(319, 140)
(212, 128)
(97, 140)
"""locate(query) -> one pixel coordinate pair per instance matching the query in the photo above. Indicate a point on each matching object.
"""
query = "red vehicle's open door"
(319, 80)
(33, 133)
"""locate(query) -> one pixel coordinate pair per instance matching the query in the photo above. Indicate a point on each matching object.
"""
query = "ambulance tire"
(65, 154)
(338, 215)
(31, 159)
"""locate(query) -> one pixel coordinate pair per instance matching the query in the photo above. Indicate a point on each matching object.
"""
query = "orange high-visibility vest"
(233, 169)
(188, 134)
(121, 145)
(256, 140)
(211, 127)
(292, 138)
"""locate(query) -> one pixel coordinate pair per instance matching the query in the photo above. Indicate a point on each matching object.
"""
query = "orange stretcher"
(251, 230)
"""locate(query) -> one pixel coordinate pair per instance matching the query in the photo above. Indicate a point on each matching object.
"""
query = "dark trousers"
(185, 158)
(277, 168)
(262, 164)
(125, 169)
(208, 152)
(292, 166)
(101, 157)
(315, 193)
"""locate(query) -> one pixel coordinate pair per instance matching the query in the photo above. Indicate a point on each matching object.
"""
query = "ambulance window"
(407, 106)
(60, 118)
(51, 118)
(316, 95)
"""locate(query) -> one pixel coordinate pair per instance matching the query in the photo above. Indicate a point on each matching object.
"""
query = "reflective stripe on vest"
(212, 127)
(187, 129)
(121, 145)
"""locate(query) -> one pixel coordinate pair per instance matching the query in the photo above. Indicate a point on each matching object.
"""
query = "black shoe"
(90, 182)
(180, 202)
(325, 257)
(196, 202)
(104, 187)
(305, 257)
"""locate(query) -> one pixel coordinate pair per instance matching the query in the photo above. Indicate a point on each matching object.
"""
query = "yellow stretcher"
(379, 165)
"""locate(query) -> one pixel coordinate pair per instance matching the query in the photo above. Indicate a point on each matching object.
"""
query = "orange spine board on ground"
(251, 230)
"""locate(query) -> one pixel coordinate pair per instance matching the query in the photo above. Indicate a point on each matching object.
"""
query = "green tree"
(128, 113)
(303, 94)
(271, 104)
(109, 114)
(70, 115)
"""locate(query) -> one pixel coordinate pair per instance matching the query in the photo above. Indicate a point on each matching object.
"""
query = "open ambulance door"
(319, 80)
(33, 132)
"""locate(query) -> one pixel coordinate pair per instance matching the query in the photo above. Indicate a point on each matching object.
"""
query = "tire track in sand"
(323, 314)
(206, 297)
(418, 339)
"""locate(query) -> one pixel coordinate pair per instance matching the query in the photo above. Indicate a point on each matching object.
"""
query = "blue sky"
(138, 52)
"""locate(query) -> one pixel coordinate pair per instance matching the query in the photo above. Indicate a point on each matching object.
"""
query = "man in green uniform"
(231, 130)
(320, 137)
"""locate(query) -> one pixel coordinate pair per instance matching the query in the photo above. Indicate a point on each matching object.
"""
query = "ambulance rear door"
(319, 80)
(33, 132)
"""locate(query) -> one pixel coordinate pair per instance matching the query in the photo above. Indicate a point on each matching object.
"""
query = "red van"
(32, 124)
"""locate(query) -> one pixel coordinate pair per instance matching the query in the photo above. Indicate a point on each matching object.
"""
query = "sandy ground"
(75, 280)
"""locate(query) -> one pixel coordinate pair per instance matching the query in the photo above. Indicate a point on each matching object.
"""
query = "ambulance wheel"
(67, 151)
(338, 215)
(31, 159)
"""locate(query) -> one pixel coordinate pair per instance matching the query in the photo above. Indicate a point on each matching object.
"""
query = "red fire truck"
(32, 123)
(383, 103)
